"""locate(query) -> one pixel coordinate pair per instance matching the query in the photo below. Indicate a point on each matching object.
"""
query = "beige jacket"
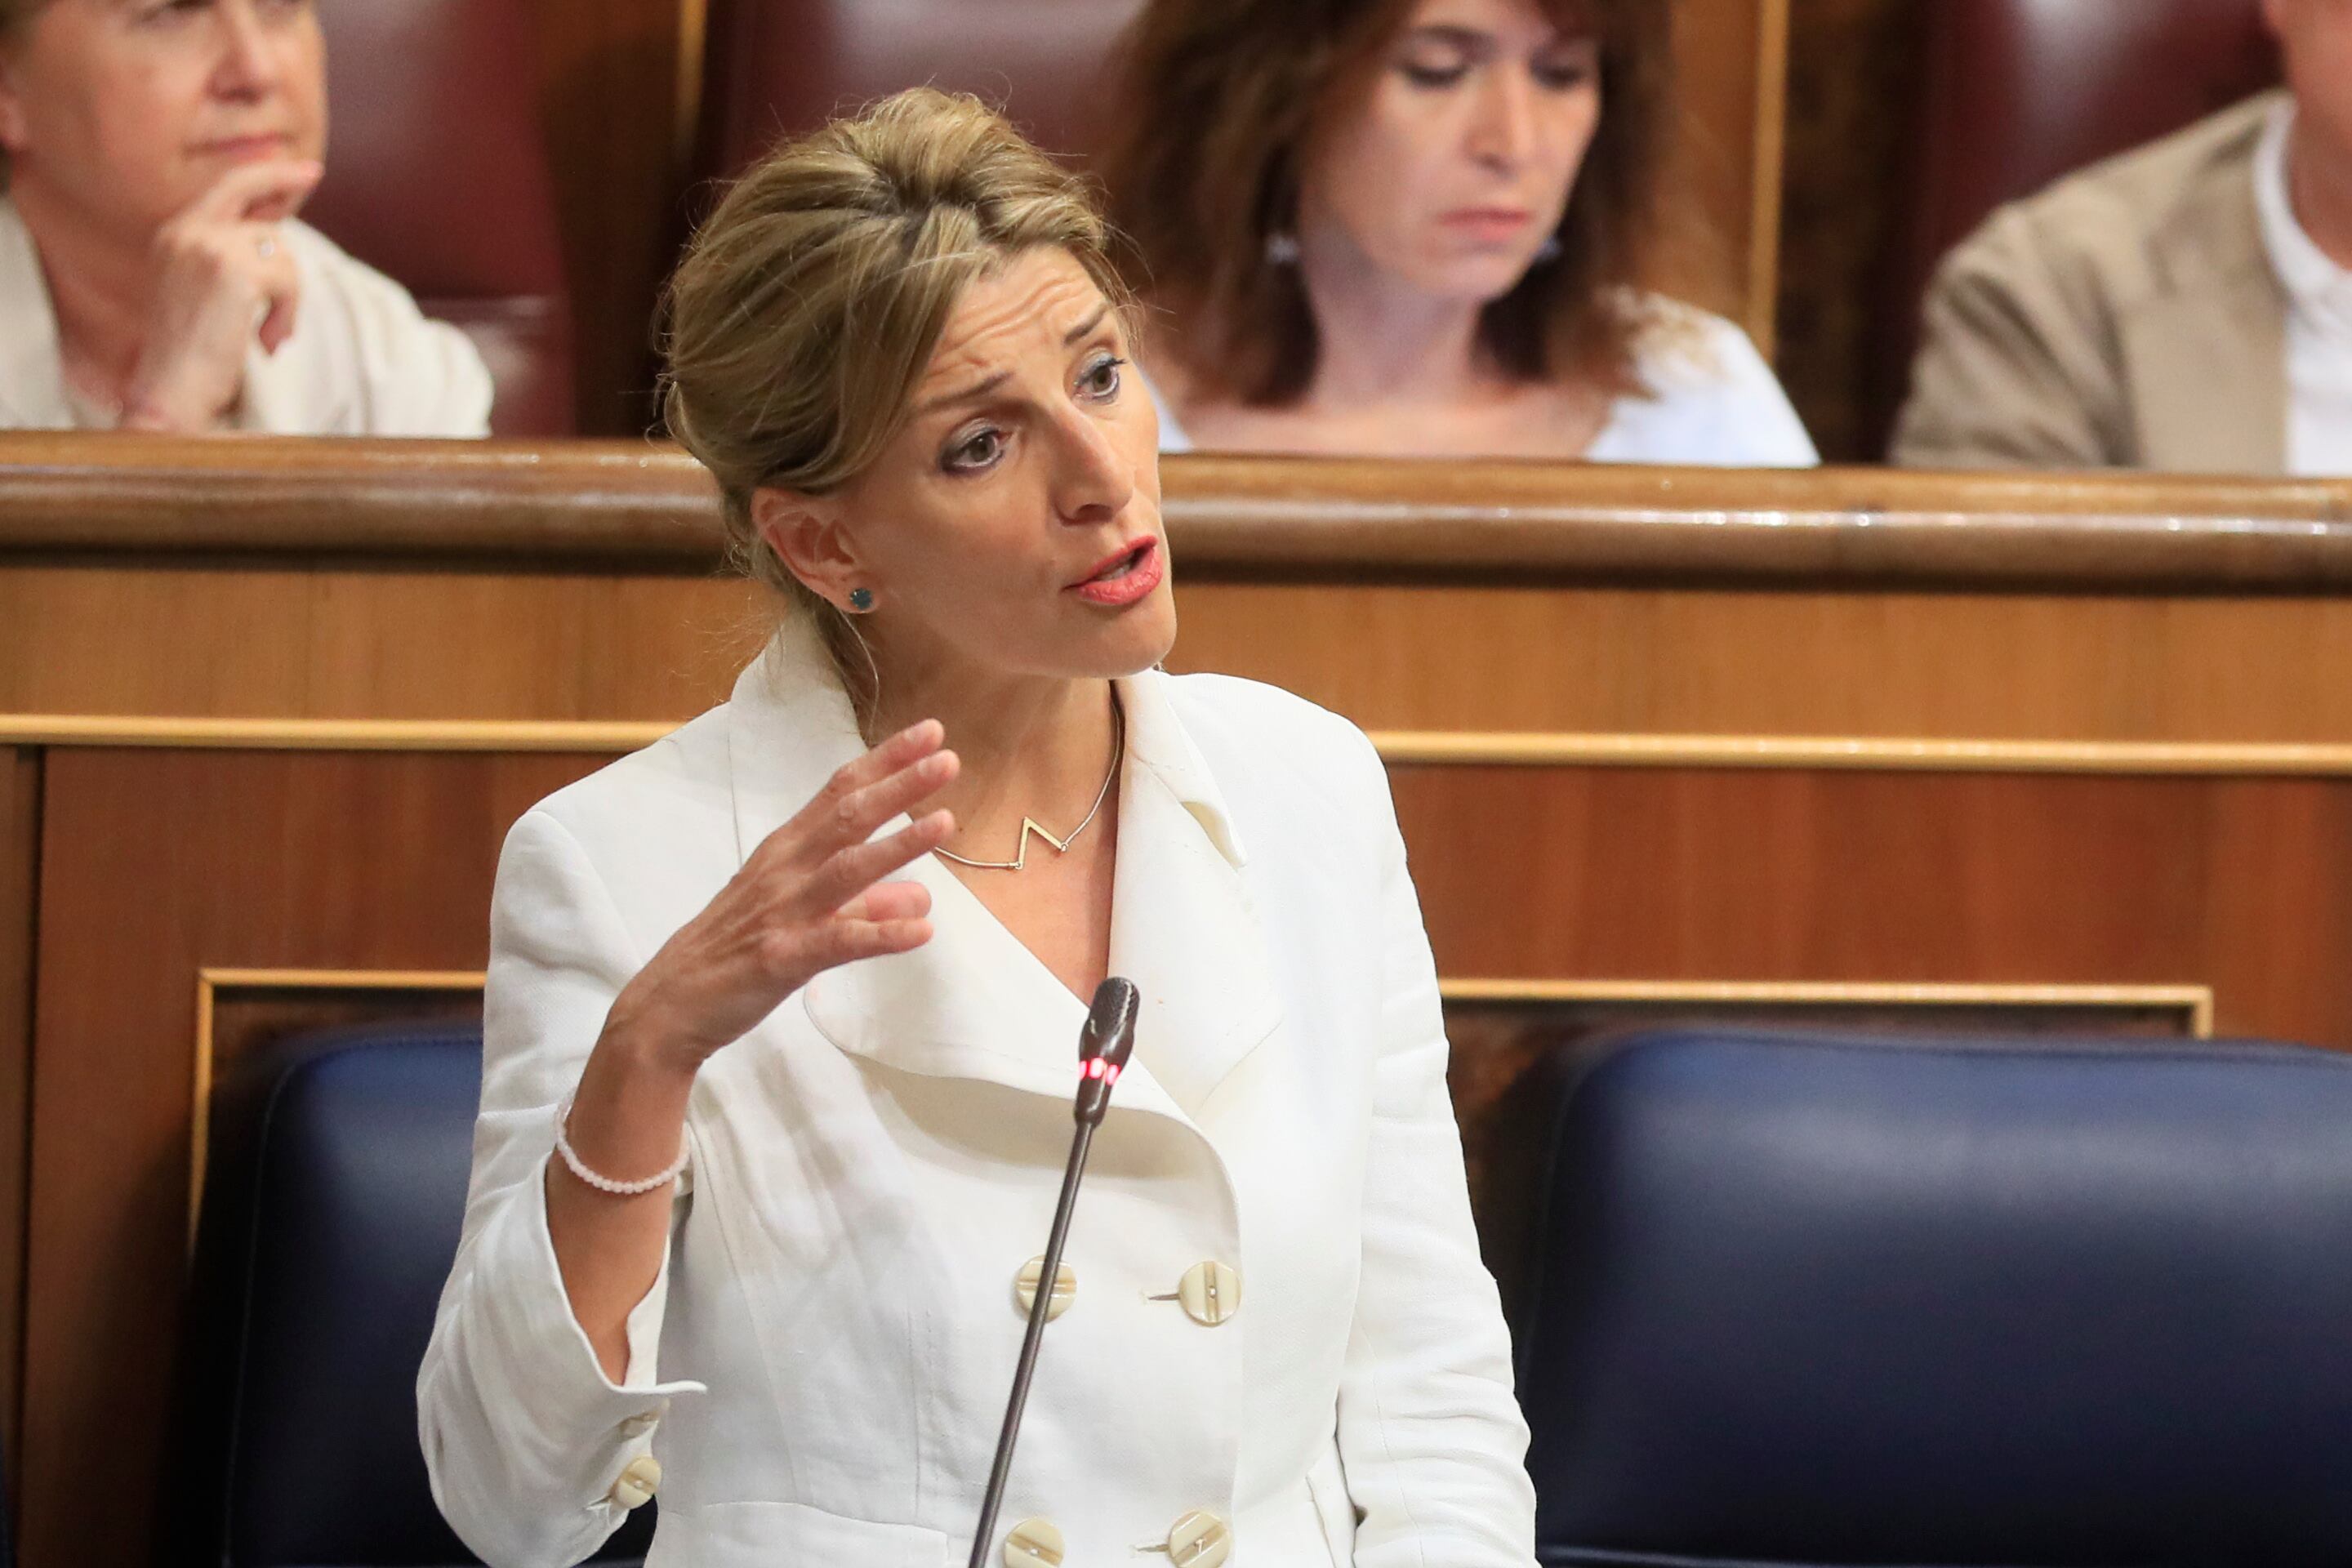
(2127, 316)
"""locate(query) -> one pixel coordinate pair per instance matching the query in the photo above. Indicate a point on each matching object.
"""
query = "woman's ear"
(808, 534)
(12, 109)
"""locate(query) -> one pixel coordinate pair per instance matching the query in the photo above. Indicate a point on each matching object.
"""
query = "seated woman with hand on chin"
(781, 1032)
(1418, 229)
(152, 276)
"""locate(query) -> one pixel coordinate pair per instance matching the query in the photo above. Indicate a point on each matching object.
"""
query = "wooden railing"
(651, 506)
(1892, 746)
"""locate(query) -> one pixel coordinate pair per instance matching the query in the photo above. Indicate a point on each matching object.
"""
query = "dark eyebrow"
(1088, 325)
(1469, 40)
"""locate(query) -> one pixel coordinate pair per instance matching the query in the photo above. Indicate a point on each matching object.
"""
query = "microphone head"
(1111, 1023)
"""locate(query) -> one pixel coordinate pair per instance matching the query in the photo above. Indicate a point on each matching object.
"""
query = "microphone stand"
(1103, 1048)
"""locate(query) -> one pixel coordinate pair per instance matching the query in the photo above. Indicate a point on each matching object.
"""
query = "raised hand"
(809, 897)
(224, 277)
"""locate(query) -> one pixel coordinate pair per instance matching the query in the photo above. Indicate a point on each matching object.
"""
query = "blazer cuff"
(544, 1354)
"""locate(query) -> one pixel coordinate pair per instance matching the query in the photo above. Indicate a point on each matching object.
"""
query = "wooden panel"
(383, 861)
(362, 581)
(1854, 68)
(1693, 662)
(615, 506)
(609, 102)
(1723, 180)
(237, 860)
(2243, 885)
(20, 820)
(388, 644)
(329, 644)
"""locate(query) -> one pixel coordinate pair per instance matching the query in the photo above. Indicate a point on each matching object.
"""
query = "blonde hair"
(806, 309)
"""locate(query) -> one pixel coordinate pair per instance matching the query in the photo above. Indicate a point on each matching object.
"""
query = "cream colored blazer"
(2127, 317)
(820, 1372)
(362, 360)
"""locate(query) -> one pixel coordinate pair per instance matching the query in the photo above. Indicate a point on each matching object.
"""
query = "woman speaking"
(782, 1012)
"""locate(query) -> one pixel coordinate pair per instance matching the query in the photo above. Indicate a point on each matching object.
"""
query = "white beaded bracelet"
(571, 1161)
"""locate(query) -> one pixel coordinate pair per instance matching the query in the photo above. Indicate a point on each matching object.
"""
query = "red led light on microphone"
(1094, 1067)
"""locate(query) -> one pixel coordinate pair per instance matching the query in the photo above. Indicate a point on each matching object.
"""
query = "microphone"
(1103, 1048)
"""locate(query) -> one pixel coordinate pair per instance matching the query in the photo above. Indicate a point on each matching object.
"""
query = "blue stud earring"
(861, 599)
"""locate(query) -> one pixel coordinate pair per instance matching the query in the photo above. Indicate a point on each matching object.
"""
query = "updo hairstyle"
(807, 307)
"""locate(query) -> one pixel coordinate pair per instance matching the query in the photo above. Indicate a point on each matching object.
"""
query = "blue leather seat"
(1822, 1300)
(334, 1197)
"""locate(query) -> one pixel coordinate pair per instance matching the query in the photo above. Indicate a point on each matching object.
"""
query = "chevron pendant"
(1020, 861)
(1029, 824)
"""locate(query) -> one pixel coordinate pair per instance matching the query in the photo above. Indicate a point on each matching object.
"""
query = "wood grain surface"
(640, 505)
(382, 862)
(580, 583)
(20, 822)
(158, 865)
(613, 90)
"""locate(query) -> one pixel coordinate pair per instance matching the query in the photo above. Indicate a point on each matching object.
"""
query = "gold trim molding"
(1426, 748)
(139, 732)
(1866, 753)
(2194, 1000)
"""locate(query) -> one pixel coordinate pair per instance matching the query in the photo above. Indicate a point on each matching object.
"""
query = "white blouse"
(1713, 402)
(363, 359)
(820, 1371)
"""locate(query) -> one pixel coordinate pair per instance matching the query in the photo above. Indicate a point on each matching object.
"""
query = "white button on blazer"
(827, 1351)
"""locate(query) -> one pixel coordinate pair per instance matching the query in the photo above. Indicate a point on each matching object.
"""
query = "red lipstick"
(1125, 578)
(1489, 226)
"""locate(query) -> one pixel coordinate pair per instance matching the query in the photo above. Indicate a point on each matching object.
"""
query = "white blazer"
(821, 1370)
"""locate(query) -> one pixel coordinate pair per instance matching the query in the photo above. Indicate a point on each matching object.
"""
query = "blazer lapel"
(1183, 925)
(32, 381)
(2208, 354)
(971, 1002)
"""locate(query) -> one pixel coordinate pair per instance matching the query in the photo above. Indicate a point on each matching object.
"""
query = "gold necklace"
(1029, 824)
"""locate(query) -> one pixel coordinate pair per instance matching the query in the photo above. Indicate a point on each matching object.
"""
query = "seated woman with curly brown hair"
(1420, 227)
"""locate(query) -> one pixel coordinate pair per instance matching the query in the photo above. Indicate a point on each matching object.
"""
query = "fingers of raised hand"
(865, 794)
(863, 810)
(844, 941)
(852, 872)
(909, 746)
(889, 901)
(892, 917)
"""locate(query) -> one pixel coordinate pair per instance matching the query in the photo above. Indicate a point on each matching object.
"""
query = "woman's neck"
(1037, 747)
(98, 286)
(2319, 188)
(1379, 342)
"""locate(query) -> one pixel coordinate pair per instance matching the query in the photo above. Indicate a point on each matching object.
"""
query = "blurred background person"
(153, 274)
(1419, 228)
(2185, 306)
